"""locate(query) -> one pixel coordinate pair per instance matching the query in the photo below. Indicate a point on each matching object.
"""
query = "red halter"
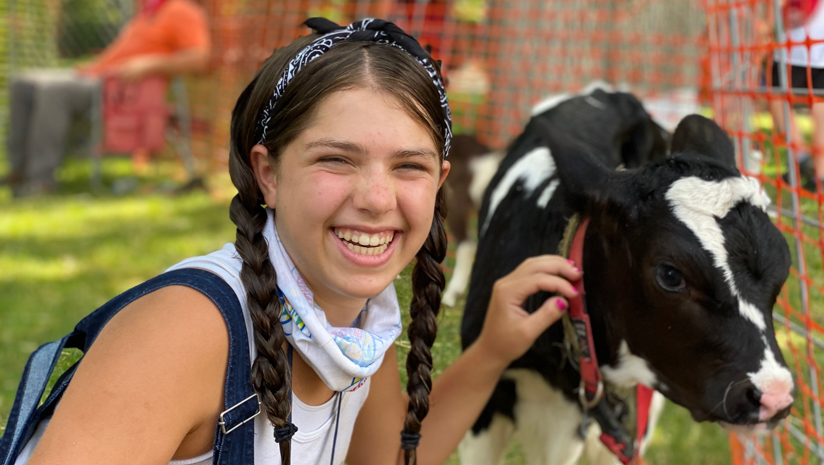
(591, 390)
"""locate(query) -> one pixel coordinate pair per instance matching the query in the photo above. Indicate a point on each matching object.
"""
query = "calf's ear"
(584, 177)
(696, 133)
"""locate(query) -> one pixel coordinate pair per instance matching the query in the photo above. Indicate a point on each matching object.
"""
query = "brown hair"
(345, 66)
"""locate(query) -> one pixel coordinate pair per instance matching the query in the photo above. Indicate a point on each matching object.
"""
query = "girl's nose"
(376, 194)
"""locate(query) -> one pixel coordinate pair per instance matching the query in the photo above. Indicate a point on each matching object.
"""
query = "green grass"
(62, 256)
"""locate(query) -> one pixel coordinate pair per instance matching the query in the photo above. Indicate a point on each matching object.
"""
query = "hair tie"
(367, 30)
(285, 433)
(409, 441)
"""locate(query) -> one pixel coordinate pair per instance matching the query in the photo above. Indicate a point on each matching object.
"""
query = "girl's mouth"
(363, 243)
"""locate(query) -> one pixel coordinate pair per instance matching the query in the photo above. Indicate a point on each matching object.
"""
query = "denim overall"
(234, 433)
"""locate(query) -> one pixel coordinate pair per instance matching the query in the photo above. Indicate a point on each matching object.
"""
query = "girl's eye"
(412, 166)
(669, 278)
(333, 160)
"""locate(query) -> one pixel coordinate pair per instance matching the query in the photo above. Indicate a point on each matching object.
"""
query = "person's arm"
(377, 436)
(182, 62)
(461, 391)
(148, 390)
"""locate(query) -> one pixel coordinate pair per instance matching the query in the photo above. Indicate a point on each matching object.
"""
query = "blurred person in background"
(803, 20)
(165, 37)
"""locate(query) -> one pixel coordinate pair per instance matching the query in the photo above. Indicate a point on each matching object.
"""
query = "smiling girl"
(338, 152)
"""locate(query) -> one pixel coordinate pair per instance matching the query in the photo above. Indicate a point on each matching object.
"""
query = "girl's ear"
(265, 174)
(445, 167)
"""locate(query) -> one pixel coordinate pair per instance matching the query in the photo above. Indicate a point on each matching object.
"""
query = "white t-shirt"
(814, 29)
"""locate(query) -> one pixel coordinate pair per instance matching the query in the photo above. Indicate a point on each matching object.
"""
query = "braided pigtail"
(271, 374)
(427, 285)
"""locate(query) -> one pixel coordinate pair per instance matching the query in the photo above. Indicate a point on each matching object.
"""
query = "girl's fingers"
(547, 314)
(520, 289)
(550, 264)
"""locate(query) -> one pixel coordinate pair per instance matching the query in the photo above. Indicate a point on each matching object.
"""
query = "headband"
(367, 30)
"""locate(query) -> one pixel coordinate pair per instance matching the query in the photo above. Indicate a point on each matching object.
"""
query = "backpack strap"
(35, 377)
(234, 435)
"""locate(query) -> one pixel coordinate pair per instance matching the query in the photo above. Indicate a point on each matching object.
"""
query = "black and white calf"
(682, 267)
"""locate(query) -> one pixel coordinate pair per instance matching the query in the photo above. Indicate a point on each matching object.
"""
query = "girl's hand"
(509, 331)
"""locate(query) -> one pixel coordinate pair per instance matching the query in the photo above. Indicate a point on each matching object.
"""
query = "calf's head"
(682, 269)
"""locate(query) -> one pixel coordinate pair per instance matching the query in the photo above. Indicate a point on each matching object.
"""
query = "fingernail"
(571, 262)
(576, 269)
(561, 304)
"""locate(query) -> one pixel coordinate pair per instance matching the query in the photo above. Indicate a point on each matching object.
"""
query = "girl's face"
(355, 196)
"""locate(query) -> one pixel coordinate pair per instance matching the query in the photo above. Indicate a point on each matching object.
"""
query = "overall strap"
(234, 435)
(22, 421)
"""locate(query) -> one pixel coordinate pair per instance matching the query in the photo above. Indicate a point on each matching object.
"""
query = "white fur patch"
(597, 85)
(464, 256)
(770, 373)
(631, 370)
(483, 169)
(546, 195)
(655, 409)
(554, 100)
(550, 102)
(488, 447)
(595, 102)
(533, 168)
(546, 422)
(697, 203)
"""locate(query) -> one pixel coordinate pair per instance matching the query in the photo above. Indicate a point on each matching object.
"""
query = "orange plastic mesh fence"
(500, 57)
(772, 117)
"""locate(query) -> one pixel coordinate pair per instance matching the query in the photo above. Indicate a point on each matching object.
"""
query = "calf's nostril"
(754, 396)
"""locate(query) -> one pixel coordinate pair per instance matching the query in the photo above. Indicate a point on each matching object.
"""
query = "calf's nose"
(772, 403)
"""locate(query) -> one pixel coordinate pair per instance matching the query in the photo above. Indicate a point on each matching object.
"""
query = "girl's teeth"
(367, 250)
(365, 244)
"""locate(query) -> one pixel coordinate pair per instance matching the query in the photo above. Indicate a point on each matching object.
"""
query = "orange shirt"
(177, 25)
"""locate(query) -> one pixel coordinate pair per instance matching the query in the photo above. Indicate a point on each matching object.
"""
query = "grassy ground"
(62, 256)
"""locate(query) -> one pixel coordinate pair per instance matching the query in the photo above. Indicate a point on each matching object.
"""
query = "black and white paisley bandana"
(367, 30)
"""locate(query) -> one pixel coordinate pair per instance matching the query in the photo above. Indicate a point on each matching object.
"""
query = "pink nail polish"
(571, 262)
(561, 304)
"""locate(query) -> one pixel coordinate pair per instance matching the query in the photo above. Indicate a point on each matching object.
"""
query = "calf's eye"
(669, 278)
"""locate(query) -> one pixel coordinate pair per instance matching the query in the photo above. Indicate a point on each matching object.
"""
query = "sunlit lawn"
(62, 256)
